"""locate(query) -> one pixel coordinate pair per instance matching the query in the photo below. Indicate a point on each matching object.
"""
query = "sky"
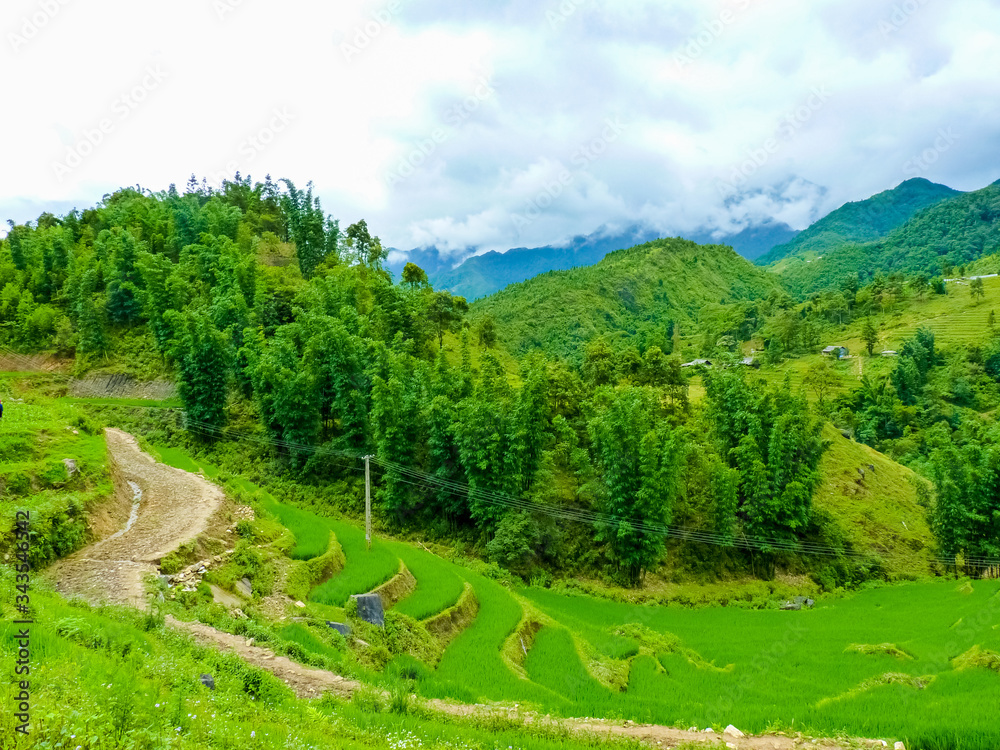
(484, 126)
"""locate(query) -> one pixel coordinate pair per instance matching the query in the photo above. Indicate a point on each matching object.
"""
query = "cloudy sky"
(503, 124)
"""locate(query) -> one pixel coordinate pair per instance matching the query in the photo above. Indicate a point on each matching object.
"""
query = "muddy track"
(173, 507)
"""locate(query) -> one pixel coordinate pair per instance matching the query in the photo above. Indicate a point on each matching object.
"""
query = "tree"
(445, 312)
(640, 463)
(821, 379)
(919, 284)
(976, 290)
(414, 276)
(202, 357)
(487, 332)
(367, 249)
(599, 365)
(869, 334)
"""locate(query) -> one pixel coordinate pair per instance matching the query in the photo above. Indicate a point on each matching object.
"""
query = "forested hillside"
(641, 296)
(861, 221)
(937, 241)
(277, 324)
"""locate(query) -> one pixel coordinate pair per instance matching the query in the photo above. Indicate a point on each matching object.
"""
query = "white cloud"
(369, 90)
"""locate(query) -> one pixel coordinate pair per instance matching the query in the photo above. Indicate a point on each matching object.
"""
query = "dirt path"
(174, 507)
(305, 682)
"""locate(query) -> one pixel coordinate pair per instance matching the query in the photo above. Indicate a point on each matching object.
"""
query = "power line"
(419, 478)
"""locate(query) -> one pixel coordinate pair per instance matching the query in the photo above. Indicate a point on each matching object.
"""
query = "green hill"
(861, 221)
(953, 232)
(633, 292)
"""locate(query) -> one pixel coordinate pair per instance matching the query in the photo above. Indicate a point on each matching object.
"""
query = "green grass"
(554, 662)
(110, 677)
(172, 403)
(36, 434)
(312, 533)
(438, 584)
(310, 641)
(365, 569)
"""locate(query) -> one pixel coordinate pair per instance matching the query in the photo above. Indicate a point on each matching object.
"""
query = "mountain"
(480, 275)
(861, 221)
(630, 293)
(956, 231)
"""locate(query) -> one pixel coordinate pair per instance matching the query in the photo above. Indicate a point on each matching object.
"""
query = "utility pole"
(368, 504)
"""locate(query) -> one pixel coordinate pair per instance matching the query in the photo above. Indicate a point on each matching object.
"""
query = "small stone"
(899, 746)
(249, 642)
(708, 730)
(76, 432)
(692, 729)
(732, 731)
(70, 465)
(343, 628)
(208, 681)
(299, 604)
(731, 745)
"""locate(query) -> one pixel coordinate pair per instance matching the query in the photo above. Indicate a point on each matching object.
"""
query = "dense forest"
(276, 322)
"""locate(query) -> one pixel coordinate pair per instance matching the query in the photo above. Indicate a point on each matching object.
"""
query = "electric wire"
(418, 478)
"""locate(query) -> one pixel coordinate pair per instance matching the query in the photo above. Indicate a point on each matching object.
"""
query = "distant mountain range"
(480, 275)
(914, 227)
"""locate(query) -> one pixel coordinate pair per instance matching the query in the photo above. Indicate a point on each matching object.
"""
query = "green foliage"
(774, 443)
(438, 584)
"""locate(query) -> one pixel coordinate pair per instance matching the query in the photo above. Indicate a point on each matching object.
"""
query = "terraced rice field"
(910, 662)
(438, 583)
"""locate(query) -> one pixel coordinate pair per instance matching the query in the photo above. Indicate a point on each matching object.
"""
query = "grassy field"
(37, 435)
(825, 670)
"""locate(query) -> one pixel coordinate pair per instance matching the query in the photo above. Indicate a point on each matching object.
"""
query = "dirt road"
(173, 507)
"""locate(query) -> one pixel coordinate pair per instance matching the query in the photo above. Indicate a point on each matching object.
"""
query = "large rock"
(732, 731)
(370, 609)
(244, 587)
(208, 681)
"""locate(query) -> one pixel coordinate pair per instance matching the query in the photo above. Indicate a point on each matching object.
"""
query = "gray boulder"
(341, 627)
(370, 609)
(208, 681)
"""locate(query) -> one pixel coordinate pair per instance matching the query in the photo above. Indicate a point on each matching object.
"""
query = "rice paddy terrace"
(914, 661)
